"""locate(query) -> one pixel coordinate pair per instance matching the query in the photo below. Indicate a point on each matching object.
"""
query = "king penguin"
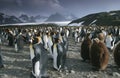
(57, 54)
(99, 55)
(85, 48)
(117, 53)
(39, 62)
(50, 43)
(64, 44)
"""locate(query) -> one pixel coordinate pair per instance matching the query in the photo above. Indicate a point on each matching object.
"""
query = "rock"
(66, 73)
(72, 71)
(118, 68)
(5, 75)
(62, 75)
(91, 76)
(94, 76)
(18, 65)
(116, 74)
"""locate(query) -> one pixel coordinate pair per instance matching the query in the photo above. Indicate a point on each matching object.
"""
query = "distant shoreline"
(62, 23)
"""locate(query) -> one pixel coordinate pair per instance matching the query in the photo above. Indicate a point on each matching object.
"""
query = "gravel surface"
(18, 65)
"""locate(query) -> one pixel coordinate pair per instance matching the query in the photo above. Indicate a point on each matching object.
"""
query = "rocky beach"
(18, 64)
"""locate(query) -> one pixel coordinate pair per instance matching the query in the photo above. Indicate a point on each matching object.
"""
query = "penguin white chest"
(31, 53)
(55, 54)
(0, 41)
(55, 51)
(16, 47)
(37, 68)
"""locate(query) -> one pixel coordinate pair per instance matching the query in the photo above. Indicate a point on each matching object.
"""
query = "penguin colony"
(52, 43)
(97, 43)
(48, 44)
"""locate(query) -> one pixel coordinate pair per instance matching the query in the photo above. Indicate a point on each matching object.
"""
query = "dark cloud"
(31, 6)
(77, 7)
(84, 7)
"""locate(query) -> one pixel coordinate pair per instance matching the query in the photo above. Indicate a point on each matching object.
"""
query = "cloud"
(19, 2)
(56, 5)
(31, 6)
(53, 5)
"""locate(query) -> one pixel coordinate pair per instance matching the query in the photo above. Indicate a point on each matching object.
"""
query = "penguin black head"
(19, 30)
(52, 33)
(62, 33)
(109, 33)
(88, 34)
(35, 40)
(38, 33)
(56, 40)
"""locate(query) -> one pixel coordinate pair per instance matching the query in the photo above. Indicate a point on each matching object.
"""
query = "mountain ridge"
(100, 19)
(60, 17)
(6, 19)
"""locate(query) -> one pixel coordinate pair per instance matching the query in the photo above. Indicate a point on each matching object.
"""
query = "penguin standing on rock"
(39, 62)
(65, 48)
(45, 40)
(99, 55)
(85, 48)
(117, 54)
(20, 41)
(109, 42)
(76, 36)
(10, 38)
(50, 43)
(67, 32)
(57, 54)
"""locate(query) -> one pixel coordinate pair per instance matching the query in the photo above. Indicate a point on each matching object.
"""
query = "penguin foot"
(59, 68)
(45, 76)
(55, 69)
(32, 75)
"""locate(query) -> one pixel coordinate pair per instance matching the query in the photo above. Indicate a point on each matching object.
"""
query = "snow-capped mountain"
(56, 17)
(70, 17)
(111, 18)
(25, 18)
(6, 19)
(40, 18)
(60, 17)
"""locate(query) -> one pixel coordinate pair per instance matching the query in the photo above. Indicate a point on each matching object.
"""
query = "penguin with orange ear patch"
(99, 55)
(117, 54)
(85, 48)
(40, 60)
(57, 50)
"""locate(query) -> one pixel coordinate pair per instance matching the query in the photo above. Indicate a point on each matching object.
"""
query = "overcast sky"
(46, 7)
